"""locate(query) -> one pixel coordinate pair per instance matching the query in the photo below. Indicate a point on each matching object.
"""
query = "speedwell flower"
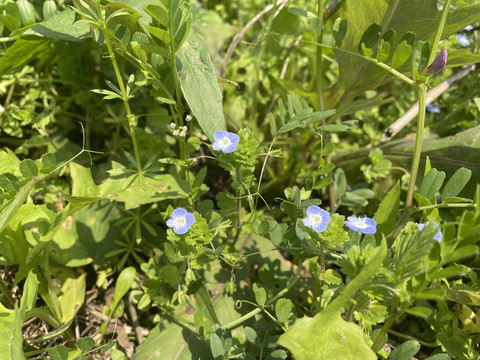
(225, 141)
(181, 221)
(439, 63)
(364, 225)
(433, 108)
(317, 219)
(462, 39)
(438, 235)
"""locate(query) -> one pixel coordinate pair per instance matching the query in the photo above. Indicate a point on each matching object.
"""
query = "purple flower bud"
(439, 63)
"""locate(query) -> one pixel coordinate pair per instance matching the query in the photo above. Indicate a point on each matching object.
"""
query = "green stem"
(438, 33)
(318, 63)
(178, 91)
(387, 325)
(257, 310)
(422, 91)
(130, 117)
(442, 206)
(7, 293)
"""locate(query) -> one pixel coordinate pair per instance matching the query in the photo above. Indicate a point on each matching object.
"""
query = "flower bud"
(439, 63)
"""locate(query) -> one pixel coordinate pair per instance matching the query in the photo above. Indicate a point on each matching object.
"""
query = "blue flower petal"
(363, 225)
(317, 218)
(179, 212)
(180, 230)
(190, 219)
(438, 236)
(180, 221)
(225, 141)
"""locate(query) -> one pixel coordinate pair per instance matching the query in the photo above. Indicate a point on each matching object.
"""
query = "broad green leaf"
(62, 27)
(387, 213)
(324, 337)
(405, 351)
(421, 18)
(15, 203)
(123, 284)
(22, 52)
(456, 183)
(11, 334)
(28, 168)
(199, 85)
(29, 296)
(72, 296)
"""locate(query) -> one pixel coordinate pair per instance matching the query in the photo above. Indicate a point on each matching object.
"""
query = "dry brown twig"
(438, 90)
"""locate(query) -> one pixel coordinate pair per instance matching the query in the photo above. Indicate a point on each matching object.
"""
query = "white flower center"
(317, 219)
(361, 223)
(225, 142)
(179, 221)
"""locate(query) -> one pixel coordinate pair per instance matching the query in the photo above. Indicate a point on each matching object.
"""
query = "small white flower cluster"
(181, 131)
(188, 117)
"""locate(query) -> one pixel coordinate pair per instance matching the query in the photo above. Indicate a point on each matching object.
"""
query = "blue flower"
(438, 235)
(225, 141)
(181, 221)
(365, 225)
(468, 28)
(433, 108)
(317, 219)
(462, 39)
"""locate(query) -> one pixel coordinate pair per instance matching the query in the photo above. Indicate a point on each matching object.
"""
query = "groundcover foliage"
(239, 179)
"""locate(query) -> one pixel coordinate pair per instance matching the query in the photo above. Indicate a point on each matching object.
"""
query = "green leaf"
(339, 30)
(387, 213)
(27, 12)
(401, 54)
(431, 184)
(15, 203)
(405, 351)
(283, 309)
(199, 85)
(29, 296)
(72, 296)
(456, 183)
(260, 294)
(22, 52)
(58, 352)
(370, 37)
(422, 18)
(62, 27)
(384, 51)
(324, 337)
(420, 55)
(28, 168)
(216, 346)
(123, 284)
(85, 343)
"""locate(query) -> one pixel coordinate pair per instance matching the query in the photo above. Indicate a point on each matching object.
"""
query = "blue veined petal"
(320, 227)
(219, 134)
(179, 212)
(363, 225)
(190, 219)
(180, 230)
